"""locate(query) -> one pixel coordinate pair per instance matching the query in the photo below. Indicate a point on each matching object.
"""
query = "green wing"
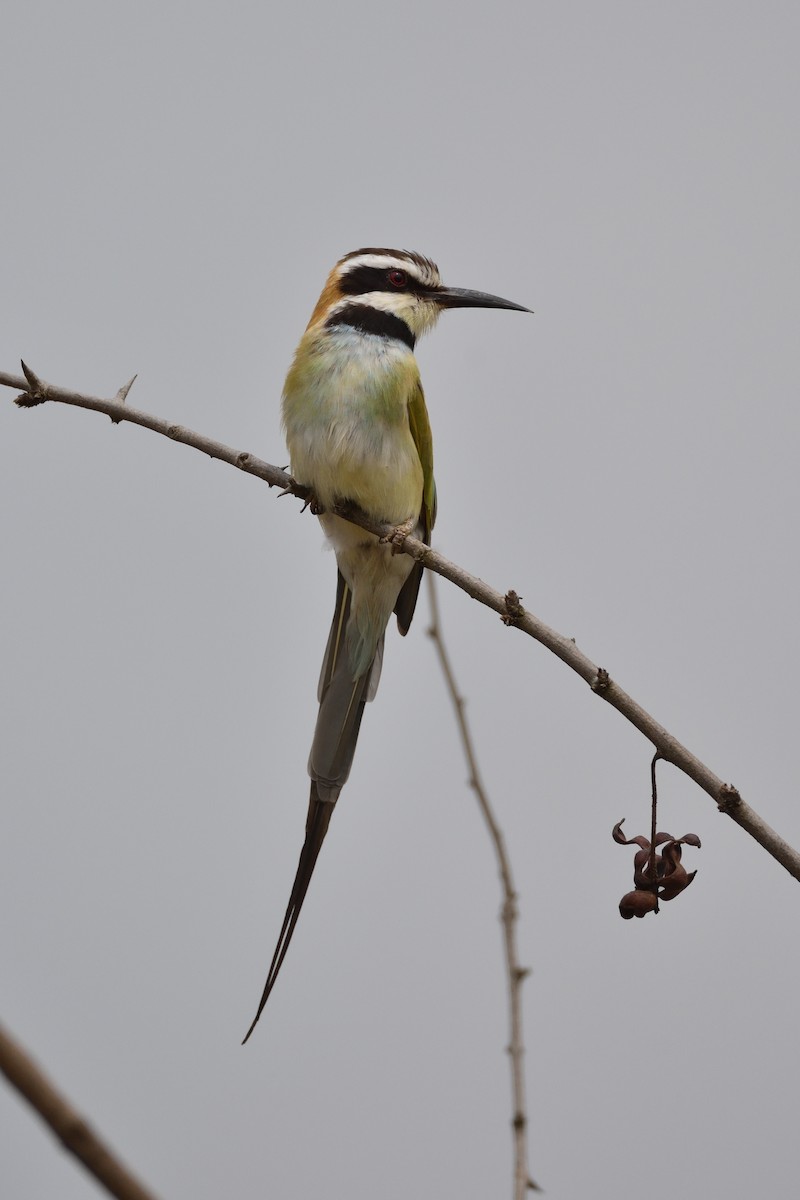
(421, 433)
(423, 440)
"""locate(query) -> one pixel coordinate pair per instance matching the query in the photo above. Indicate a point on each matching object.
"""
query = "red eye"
(398, 279)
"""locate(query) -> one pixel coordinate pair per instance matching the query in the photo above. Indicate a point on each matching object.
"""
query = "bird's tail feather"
(342, 699)
(336, 648)
(341, 703)
(407, 598)
(336, 637)
(319, 816)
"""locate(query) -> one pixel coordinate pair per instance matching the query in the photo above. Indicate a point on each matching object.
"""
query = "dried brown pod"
(637, 904)
(658, 873)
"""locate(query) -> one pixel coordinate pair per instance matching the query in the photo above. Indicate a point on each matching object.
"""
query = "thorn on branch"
(37, 389)
(122, 394)
(514, 610)
(32, 378)
(729, 798)
(121, 397)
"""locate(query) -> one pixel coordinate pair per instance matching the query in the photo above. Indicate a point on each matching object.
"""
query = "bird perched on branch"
(357, 430)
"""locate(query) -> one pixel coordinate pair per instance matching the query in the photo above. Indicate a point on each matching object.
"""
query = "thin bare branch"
(34, 391)
(67, 1124)
(509, 912)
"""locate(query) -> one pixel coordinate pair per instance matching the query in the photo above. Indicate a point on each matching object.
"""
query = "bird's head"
(393, 292)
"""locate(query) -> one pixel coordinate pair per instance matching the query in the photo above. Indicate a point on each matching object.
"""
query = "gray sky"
(179, 180)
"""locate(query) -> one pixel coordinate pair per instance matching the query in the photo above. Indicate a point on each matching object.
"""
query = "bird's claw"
(304, 493)
(396, 538)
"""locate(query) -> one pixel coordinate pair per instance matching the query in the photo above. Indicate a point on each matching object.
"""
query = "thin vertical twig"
(514, 972)
(67, 1124)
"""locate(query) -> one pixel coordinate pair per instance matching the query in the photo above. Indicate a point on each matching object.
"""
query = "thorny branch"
(516, 974)
(67, 1124)
(727, 798)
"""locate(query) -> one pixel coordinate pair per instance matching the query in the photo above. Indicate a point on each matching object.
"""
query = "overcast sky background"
(179, 179)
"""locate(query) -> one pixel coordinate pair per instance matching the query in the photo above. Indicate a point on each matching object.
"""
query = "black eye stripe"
(375, 279)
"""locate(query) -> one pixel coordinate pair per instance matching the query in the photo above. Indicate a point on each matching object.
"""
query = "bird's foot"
(396, 539)
(304, 493)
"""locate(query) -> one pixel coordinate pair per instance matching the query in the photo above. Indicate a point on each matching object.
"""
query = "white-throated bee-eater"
(357, 431)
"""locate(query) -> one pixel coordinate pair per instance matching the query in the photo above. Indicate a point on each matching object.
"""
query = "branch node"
(514, 610)
(729, 798)
(174, 431)
(601, 682)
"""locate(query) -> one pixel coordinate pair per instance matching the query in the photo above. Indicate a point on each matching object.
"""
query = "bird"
(358, 434)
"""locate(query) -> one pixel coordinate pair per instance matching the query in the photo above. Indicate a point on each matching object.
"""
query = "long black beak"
(464, 298)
